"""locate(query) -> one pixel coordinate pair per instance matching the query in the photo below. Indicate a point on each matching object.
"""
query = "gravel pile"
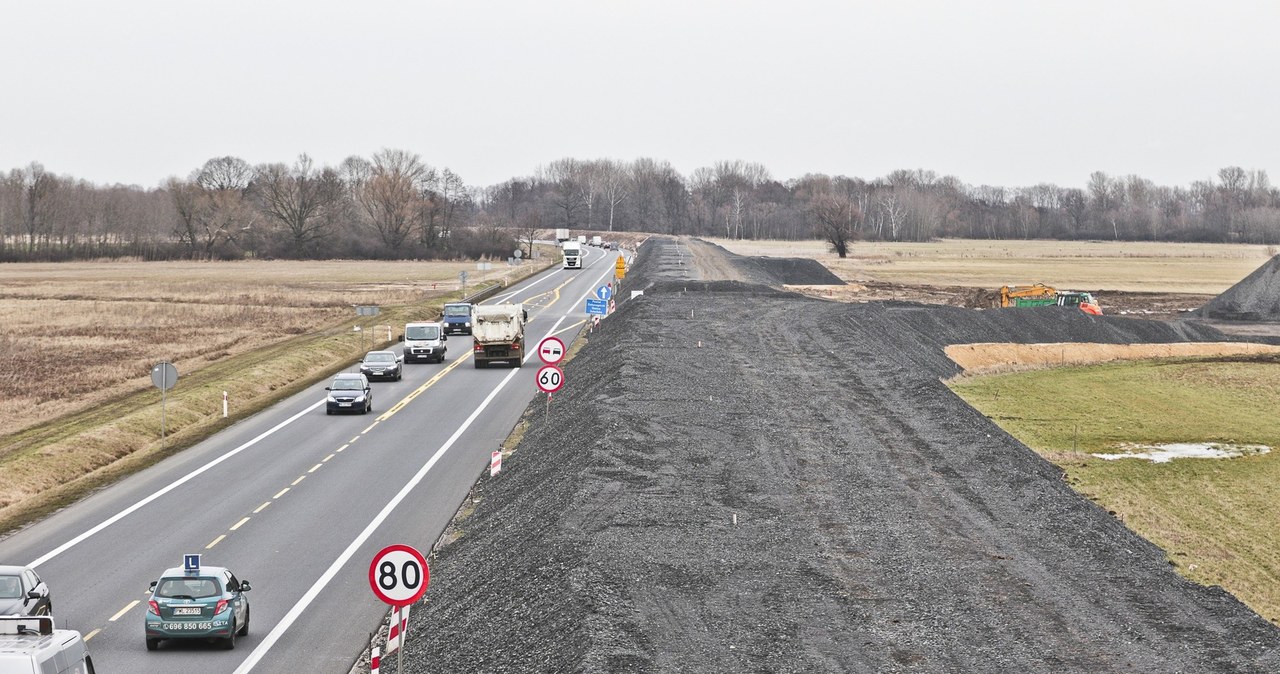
(1255, 298)
(739, 479)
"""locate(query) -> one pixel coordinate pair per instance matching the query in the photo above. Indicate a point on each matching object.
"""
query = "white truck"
(562, 235)
(596, 240)
(572, 255)
(582, 240)
(31, 645)
(499, 334)
(424, 341)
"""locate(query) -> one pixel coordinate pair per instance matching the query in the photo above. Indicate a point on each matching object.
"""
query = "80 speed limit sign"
(550, 378)
(399, 575)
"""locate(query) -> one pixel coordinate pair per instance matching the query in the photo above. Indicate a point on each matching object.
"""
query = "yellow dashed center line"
(353, 440)
(91, 635)
(264, 506)
(281, 492)
(239, 524)
(300, 479)
(369, 428)
(314, 468)
(124, 610)
(326, 459)
(215, 541)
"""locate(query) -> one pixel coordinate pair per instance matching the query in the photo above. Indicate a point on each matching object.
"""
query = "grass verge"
(1215, 518)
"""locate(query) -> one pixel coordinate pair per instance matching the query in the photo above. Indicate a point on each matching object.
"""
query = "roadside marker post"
(224, 404)
(495, 462)
(399, 576)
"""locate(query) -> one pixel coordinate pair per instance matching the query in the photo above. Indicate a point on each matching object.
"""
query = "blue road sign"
(598, 307)
(191, 563)
(604, 292)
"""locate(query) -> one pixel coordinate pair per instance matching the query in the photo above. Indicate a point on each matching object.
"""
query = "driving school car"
(197, 602)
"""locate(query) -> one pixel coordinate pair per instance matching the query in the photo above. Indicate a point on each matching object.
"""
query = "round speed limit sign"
(399, 575)
(550, 379)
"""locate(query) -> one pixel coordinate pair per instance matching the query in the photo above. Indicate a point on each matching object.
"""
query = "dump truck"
(498, 333)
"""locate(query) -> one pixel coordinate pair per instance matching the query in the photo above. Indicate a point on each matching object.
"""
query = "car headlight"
(467, 324)
(359, 399)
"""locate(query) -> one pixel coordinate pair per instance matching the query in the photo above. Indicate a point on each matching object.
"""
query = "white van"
(424, 341)
(31, 645)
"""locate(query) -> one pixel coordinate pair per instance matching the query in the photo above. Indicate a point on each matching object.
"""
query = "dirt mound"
(741, 479)
(770, 271)
(984, 358)
(1255, 298)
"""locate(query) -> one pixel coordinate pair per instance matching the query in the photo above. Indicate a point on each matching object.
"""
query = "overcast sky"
(1007, 93)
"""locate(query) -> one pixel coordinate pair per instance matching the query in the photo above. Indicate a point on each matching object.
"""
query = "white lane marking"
(239, 524)
(262, 507)
(280, 493)
(215, 542)
(546, 276)
(292, 616)
(172, 485)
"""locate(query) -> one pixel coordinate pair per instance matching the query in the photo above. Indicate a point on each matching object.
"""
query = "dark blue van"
(457, 318)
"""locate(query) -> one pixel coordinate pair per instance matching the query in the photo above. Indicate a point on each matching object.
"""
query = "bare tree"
(392, 194)
(299, 198)
(835, 217)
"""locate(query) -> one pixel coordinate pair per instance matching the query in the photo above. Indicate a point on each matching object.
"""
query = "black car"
(23, 593)
(382, 365)
(348, 392)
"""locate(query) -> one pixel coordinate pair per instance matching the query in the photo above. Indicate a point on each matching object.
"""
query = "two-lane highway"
(296, 502)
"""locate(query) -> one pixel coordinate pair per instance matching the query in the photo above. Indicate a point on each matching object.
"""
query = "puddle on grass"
(1184, 450)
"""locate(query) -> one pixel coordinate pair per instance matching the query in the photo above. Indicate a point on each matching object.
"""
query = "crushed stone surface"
(742, 479)
(1255, 298)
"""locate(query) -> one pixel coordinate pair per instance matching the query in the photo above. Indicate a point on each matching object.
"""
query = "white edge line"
(292, 616)
(173, 485)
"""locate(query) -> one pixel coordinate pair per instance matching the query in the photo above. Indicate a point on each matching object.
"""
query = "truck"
(572, 255)
(582, 240)
(498, 334)
(457, 318)
(32, 645)
(597, 240)
(562, 235)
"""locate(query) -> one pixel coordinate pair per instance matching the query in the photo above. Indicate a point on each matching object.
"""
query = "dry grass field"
(1190, 268)
(78, 340)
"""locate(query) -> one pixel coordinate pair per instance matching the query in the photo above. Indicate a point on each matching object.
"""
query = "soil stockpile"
(1255, 298)
(739, 479)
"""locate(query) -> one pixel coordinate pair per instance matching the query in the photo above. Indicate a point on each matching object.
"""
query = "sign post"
(550, 378)
(399, 576)
(164, 375)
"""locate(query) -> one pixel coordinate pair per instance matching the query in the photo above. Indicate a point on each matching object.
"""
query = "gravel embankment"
(740, 479)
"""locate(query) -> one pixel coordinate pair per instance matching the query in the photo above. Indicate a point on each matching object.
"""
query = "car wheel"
(153, 644)
(244, 631)
(229, 643)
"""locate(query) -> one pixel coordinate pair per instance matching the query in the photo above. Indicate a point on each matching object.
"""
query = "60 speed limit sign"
(399, 575)
(550, 379)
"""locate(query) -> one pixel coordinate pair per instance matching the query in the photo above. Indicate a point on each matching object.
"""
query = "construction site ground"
(739, 478)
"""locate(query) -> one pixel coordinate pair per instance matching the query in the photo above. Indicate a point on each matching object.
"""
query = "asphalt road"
(296, 502)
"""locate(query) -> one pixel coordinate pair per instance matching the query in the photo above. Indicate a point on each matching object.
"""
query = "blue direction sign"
(598, 307)
(604, 292)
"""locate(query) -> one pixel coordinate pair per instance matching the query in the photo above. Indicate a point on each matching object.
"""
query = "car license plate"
(344, 404)
(187, 610)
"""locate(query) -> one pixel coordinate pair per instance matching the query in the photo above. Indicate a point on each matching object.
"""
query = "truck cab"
(572, 255)
(32, 645)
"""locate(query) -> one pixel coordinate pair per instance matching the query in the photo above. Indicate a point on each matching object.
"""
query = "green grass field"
(1215, 518)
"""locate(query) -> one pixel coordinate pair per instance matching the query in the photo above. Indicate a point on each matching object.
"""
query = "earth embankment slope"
(741, 479)
(1255, 298)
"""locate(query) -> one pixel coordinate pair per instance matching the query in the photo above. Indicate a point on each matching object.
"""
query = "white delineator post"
(224, 404)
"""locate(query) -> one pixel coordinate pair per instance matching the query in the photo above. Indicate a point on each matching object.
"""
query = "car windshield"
(194, 588)
(380, 357)
(347, 385)
(422, 332)
(459, 310)
(10, 587)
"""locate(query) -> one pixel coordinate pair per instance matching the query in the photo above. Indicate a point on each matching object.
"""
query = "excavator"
(1041, 295)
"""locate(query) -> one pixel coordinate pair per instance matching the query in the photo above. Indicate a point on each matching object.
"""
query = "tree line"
(393, 205)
